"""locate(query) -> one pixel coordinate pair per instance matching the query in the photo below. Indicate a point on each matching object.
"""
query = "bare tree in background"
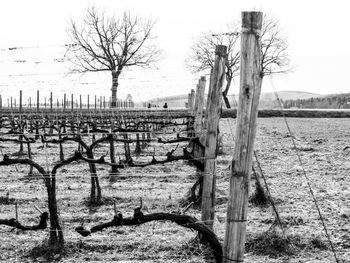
(274, 56)
(106, 43)
(202, 56)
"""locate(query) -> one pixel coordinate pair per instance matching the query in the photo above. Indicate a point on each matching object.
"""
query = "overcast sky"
(317, 33)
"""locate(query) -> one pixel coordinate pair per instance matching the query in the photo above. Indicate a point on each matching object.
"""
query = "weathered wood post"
(64, 102)
(199, 104)
(20, 102)
(80, 103)
(198, 148)
(191, 100)
(247, 112)
(51, 101)
(216, 82)
(88, 102)
(37, 101)
(72, 102)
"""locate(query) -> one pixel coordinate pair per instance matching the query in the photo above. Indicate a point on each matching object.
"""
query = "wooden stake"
(199, 103)
(64, 102)
(191, 100)
(214, 109)
(51, 101)
(20, 101)
(247, 112)
(37, 101)
(72, 102)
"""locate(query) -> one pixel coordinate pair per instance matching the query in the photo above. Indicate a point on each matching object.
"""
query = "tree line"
(339, 101)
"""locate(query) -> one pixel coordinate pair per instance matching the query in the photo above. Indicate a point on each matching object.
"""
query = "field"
(325, 150)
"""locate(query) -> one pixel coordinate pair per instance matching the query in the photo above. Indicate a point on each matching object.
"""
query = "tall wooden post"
(88, 102)
(209, 179)
(95, 102)
(51, 102)
(20, 101)
(247, 113)
(199, 104)
(80, 102)
(191, 100)
(72, 102)
(37, 101)
(64, 102)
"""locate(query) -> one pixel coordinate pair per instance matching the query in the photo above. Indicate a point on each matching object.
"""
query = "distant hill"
(267, 99)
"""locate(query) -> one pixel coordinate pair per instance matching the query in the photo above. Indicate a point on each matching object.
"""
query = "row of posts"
(65, 104)
(247, 111)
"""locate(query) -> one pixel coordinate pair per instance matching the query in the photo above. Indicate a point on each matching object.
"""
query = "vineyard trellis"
(108, 130)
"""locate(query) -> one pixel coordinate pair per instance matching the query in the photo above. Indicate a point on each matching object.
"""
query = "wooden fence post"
(80, 103)
(64, 102)
(20, 101)
(88, 102)
(51, 102)
(72, 102)
(198, 148)
(37, 101)
(247, 112)
(216, 82)
(191, 100)
(199, 104)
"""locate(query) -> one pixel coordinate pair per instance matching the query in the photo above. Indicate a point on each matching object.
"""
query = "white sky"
(317, 32)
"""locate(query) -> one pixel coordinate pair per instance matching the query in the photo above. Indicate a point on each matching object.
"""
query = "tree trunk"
(115, 77)
(56, 239)
(224, 93)
(95, 192)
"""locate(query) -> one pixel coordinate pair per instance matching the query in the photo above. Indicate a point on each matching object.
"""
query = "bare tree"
(106, 43)
(202, 56)
(274, 55)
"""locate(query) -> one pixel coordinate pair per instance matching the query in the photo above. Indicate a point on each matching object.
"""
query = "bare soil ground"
(325, 150)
